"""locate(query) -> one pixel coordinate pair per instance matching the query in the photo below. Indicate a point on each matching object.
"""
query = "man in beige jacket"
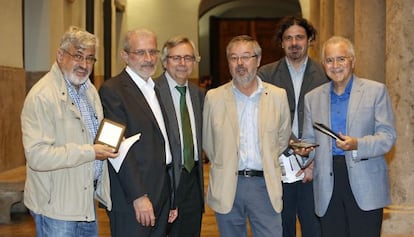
(246, 126)
(60, 119)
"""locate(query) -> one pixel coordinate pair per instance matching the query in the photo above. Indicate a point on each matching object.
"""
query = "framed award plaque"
(110, 133)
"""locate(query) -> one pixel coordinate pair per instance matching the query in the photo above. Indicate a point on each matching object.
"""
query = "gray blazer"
(197, 99)
(370, 119)
(277, 73)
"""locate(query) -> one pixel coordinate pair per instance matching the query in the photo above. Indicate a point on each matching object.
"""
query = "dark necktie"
(188, 150)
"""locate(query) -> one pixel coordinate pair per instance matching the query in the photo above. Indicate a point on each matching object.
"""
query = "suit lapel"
(138, 97)
(354, 101)
(231, 110)
(195, 98)
(325, 102)
(168, 104)
(307, 77)
(286, 81)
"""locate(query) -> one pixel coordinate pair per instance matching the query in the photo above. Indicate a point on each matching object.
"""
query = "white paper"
(290, 168)
(123, 150)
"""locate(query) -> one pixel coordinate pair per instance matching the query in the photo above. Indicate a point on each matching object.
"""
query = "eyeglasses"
(179, 58)
(142, 52)
(80, 58)
(244, 59)
(339, 60)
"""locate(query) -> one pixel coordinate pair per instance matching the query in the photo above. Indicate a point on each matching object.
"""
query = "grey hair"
(247, 39)
(172, 42)
(137, 32)
(78, 38)
(337, 40)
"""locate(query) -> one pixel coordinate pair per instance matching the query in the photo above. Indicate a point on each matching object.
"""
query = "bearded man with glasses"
(246, 126)
(60, 119)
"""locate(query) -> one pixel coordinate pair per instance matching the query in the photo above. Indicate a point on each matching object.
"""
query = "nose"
(240, 61)
(335, 63)
(83, 63)
(147, 55)
(182, 61)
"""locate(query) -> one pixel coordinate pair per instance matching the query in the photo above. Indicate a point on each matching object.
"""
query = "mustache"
(79, 67)
(148, 65)
(240, 68)
(295, 47)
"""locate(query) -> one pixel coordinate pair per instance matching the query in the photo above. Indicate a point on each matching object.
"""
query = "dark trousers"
(344, 218)
(125, 224)
(189, 203)
(298, 201)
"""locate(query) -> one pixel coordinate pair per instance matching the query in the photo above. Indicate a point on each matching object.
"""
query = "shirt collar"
(302, 66)
(259, 89)
(82, 88)
(172, 83)
(347, 88)
(139, 80)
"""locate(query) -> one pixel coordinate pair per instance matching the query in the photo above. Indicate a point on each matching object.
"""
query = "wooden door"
(222, 30)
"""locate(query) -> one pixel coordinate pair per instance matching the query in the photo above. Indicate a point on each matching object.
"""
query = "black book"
(325, 129)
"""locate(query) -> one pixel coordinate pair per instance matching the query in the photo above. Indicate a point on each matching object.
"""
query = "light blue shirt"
(248, 117)
(80, 99)
(297, 79)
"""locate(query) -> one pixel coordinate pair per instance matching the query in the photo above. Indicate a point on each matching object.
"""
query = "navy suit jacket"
(143, 170)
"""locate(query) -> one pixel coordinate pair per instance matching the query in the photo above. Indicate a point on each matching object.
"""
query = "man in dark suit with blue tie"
(183, 103)
(142, 188)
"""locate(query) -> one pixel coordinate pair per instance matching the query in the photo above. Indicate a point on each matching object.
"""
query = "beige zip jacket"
(59, 154)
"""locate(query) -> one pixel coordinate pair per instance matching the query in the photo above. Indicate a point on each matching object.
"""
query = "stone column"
(326, 26)
(369, 39)
(344, 18)
(314, 18)
(399, 218)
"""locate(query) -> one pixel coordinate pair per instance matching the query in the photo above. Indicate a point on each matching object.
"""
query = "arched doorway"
(220, 20)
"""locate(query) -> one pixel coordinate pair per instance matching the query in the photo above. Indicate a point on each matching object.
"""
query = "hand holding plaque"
(110, 133)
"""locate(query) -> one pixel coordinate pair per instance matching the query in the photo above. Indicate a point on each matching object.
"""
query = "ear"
(59, 55)
(124, 56)
(258, 61)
